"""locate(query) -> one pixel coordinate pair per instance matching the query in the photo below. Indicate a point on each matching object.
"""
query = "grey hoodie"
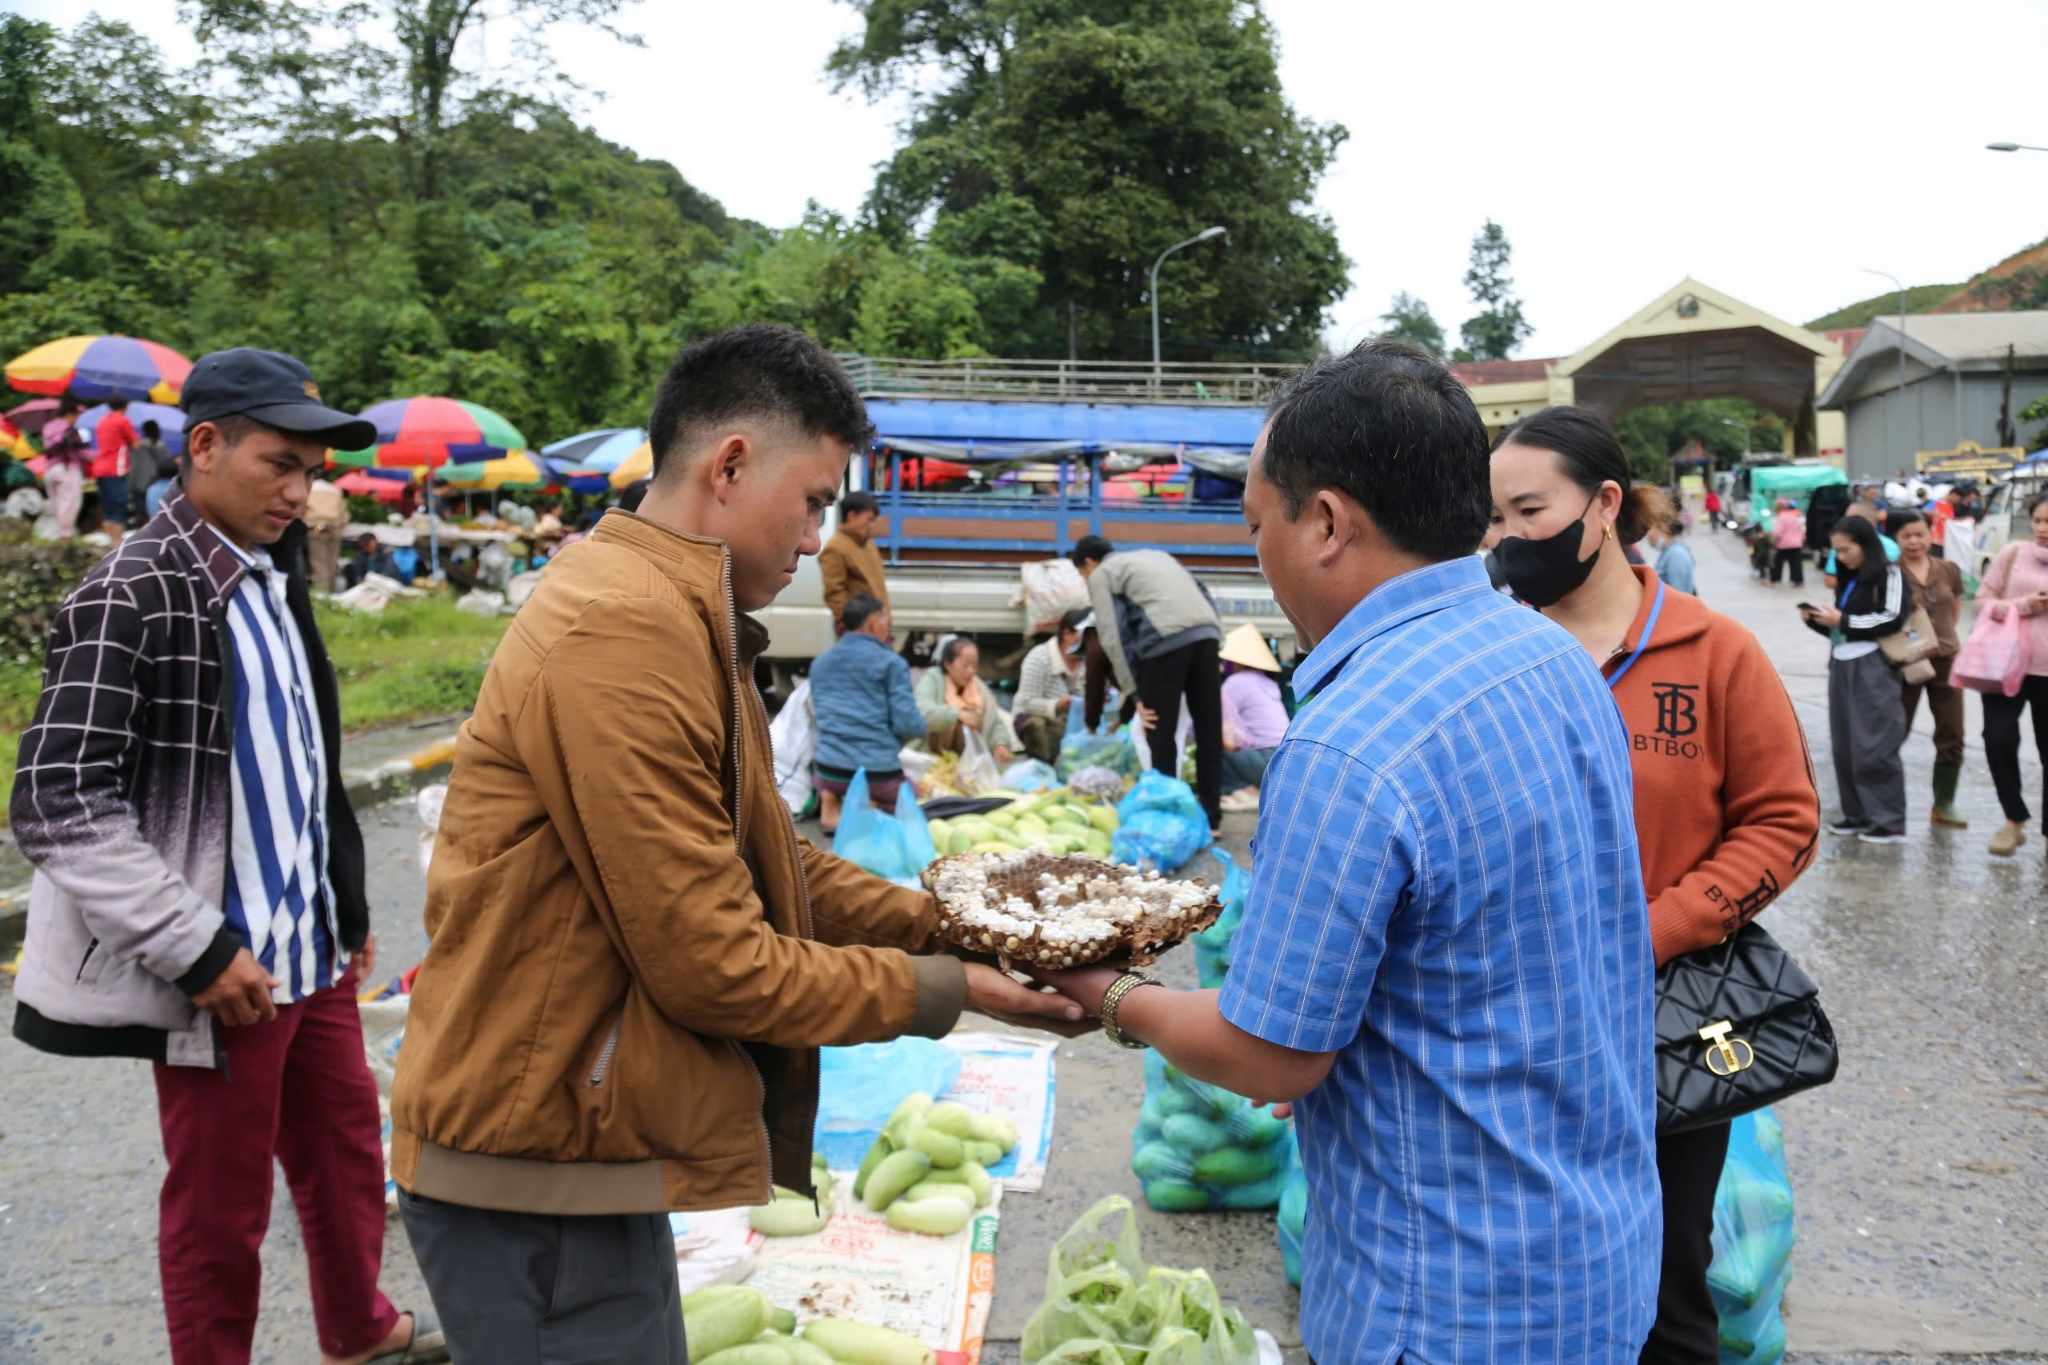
(1147, 604)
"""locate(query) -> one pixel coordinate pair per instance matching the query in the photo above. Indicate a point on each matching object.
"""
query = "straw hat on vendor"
(1246, 648)
(1254, 715)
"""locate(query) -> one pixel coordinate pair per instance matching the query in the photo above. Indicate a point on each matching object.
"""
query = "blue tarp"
(958, 430)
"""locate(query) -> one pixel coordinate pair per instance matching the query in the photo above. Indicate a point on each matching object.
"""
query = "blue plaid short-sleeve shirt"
(1446, 893)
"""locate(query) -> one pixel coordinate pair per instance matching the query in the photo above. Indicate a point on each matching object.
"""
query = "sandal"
(428, 1345)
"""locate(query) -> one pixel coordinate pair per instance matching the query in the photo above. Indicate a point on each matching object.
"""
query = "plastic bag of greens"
(1160, 824)
(1293, 1217)
(1099, 1291)
(1199, 1147)
(1029, 775)
(1212, 945)
(897, 846)
(1107, 748)
(1753, 1240)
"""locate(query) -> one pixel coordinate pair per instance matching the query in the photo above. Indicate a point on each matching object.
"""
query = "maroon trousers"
(297, 1089)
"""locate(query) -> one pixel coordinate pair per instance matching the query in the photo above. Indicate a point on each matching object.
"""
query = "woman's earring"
(1607, 533)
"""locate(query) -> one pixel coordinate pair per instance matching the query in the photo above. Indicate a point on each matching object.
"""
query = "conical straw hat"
(1246, 646)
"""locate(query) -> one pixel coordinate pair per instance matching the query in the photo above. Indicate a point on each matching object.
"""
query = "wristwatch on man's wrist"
(1112, 998)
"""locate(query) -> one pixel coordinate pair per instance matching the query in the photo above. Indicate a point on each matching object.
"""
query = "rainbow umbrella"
(517, 470)
(170, 420)
(13, 442)
(431, 432)
(365, 483)
(101, 367)
(635, 467)
(584, 463)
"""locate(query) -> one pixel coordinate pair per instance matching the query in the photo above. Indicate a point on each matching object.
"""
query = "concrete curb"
(365, 787)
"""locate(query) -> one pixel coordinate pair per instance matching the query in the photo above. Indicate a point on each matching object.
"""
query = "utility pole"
(1204, 235)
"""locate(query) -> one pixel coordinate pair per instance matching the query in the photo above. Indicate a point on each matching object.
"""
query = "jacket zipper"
(604, 1055)
(90, 949)
(739, 778)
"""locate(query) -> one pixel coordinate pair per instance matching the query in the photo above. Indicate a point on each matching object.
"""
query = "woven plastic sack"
(1212, 945)
(1159, 824)
(1293, 1218)
(1099, 1292)
(897, 846)
(1753, 1240)
(1198, 1147)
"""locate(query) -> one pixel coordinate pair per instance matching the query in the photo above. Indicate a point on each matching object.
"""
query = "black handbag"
(1739, 1026)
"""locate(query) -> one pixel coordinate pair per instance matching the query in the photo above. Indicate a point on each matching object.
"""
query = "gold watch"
(1112, 998)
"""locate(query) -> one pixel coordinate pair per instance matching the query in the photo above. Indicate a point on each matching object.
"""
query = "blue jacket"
(1675, 566)
(861, 695)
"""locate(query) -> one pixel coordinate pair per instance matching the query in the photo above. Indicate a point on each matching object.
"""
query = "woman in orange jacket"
(1726, 810)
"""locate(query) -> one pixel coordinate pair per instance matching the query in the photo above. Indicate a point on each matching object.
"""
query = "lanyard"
(1643, 643)
(1847, 588)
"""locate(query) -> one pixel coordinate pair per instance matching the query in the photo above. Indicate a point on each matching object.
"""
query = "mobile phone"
(1807, 609)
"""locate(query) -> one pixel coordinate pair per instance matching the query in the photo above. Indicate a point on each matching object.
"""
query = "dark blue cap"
(274, 389)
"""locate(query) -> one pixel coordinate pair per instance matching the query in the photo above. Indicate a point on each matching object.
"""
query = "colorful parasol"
(431, 432)
(517, 470)
(635, 467)
(361, 483)
(14, 442)
(101, 367)
(584, 463)
(171, 421)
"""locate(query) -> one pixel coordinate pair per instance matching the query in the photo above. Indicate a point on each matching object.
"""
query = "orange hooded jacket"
(1727, 813)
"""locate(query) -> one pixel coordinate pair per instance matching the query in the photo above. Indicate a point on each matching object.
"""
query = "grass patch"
(409, 661)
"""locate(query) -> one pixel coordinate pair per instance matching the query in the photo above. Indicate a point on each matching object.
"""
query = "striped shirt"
(1043, 682)
(1446, 894)
(276, 896)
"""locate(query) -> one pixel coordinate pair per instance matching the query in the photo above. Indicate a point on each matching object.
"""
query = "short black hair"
(1088, 548)
(855, 611)
(1899, 518)
(1393, 430)
(856, 502)
(117, 404)
(760, 371)
(151, 429)
(950, 650)
(1075, 618)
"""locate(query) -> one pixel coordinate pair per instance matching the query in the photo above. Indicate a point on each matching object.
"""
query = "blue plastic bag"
(1753, 1239)
(1029, 775)
(860, 1087)
(1159, 824)
(1199, 1147)
(1212, 945)
(1292, 1219)
(1109, 748)
(897, 846)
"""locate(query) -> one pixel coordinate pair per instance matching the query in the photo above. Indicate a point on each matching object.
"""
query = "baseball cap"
(273, 388)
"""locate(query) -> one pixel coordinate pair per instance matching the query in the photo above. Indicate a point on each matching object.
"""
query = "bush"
(35, 578)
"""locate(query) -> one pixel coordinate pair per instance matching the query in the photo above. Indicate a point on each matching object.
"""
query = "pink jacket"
(2020, 571)
(1790, 530)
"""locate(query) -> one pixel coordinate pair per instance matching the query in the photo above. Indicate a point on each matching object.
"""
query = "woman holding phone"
(1866, 723)
(1725, 808)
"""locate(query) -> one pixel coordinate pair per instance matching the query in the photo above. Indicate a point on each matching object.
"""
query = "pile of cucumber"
(730, 1324)
(928, 1171)
(1199, 1147)
(1055, 821)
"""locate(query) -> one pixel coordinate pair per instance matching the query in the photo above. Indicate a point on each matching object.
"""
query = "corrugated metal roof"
(1971, 336)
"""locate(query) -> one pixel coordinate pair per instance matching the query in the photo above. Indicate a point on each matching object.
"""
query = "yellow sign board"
(1969, 458)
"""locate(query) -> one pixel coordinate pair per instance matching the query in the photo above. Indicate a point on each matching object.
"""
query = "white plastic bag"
(481, 602)
(793, 735)
(1052, 587)
(977, 772)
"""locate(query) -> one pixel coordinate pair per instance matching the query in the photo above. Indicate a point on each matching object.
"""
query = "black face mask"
(1544, 572)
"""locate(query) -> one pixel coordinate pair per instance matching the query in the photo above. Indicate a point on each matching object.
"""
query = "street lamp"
(2013, 147)
(1900, 285)
(1204, 235)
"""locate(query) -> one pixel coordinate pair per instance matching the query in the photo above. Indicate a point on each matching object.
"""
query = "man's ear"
(726, 463)
(1334, 523)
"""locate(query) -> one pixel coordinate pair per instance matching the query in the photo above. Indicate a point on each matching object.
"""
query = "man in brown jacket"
(633, 956)
(851, 563)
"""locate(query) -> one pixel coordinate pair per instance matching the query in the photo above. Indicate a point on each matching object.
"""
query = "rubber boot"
(1946, 775)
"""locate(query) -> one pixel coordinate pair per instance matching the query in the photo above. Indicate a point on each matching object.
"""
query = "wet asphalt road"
(1921, 1174)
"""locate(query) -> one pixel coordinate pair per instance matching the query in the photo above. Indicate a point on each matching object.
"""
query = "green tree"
(1499, 327)
(1410, 320)
(1078, 138)
(1728, 428)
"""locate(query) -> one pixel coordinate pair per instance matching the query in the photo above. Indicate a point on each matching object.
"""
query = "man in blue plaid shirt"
(1446, 957)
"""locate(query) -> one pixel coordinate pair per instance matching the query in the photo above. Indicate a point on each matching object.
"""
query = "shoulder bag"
(1739, 1026)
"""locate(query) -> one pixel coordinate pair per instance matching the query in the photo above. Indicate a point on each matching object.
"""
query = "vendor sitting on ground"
(1254, 715)
(1048, 688)
(865, 709)
(955, 700)
(370, 557)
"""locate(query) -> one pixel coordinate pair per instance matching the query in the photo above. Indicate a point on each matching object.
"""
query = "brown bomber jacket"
(633, 956)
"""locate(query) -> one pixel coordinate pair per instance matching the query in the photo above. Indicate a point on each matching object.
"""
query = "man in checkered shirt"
(1445, 956)
(198, 898)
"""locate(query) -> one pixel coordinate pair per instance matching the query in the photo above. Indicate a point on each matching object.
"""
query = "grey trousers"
(542, 1289)
(1868, 727)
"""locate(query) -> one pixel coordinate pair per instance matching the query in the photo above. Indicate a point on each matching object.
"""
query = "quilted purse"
(1739, 1026)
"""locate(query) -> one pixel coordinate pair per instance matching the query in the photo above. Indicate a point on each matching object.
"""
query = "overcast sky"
(1767, 149)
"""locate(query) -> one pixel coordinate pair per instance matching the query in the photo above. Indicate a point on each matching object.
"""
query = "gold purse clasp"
(1725, 1055)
